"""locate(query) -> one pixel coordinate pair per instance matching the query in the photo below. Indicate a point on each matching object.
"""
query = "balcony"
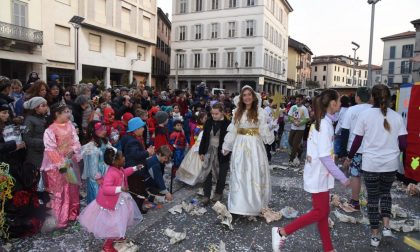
(20, 33)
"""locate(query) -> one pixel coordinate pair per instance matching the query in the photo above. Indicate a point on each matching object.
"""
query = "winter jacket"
(133, 151)
(205, 140)
(33, 138)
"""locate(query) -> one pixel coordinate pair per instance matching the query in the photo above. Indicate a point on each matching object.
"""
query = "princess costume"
(250, 184)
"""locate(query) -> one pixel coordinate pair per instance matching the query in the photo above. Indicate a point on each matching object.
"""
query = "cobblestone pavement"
(205, 232)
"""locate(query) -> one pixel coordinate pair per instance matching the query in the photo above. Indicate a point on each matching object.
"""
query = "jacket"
(107, 196)
(33, 138)
(205, 140)
(133, 151)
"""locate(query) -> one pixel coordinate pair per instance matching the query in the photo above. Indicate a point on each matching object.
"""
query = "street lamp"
(76, 21)
(372, 21)
(354, 61)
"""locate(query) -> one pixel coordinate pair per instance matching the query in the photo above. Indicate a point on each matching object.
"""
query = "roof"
(162, 15)
(287, 4)
(299, 46)
(333, 57)
(403, 35)
(374, 67)
(416, 22)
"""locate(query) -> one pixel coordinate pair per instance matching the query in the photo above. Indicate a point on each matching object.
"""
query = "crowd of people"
(117, 142)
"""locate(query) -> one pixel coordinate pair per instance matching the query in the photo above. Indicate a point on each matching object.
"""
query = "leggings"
(378, 186)
(319, 214)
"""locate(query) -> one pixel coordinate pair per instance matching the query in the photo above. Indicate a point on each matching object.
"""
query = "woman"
(39, 88)
(54, 94)
(61, 156)
(384, 135)
(250, 185)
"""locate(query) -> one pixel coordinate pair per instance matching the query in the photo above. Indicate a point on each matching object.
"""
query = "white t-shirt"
(341, 116)
(349, 122)
(316, 177)
(381, 150)
(299, 113)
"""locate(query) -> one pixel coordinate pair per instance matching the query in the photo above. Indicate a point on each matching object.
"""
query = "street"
(204, 233)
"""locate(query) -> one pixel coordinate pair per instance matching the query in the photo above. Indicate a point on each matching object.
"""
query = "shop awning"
(26, 57)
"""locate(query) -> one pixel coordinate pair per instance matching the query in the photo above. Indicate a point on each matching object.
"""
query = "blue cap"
(135, 123)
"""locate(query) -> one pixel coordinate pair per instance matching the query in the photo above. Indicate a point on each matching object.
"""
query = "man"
(272, 124)
(347, 137)
(298, 115)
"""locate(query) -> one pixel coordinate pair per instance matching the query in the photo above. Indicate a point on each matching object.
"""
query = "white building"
(396, 64)
(337, 71)
(230, 43)
(114, 38)
(416, 58)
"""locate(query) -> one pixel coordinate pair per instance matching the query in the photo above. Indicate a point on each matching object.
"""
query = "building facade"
(230, 43)
(21, 38)
(299, 65)
(331, 71)
(398, 52)
(161, 53)
(114, 39)
(416, 58)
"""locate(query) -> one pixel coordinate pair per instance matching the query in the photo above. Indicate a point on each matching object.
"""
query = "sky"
(329, 26)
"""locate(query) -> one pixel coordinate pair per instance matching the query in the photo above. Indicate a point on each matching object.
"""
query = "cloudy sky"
(329, 26)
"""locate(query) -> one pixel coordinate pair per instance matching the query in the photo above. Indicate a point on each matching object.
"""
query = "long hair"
(55, 108)
(381, 99)
(252, 114)
(321, 103)
(35, 89)
(92, 136)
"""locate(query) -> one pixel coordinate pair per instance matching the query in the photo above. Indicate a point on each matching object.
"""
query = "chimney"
(167, 14)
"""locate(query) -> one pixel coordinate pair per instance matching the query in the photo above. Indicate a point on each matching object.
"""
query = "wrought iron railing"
(21, 33)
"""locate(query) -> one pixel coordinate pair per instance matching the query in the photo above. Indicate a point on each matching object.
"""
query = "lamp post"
(372, 22)
(354, 62)
(76, 21)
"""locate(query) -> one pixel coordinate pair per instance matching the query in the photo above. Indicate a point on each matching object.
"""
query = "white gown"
(250, 184)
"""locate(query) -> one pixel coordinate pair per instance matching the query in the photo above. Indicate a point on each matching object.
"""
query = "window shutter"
(186, 32)
(219, 31)
(208, 31)
(218, 60)
(254, 32)
(177, 7)
(177, 34)
(253, 59)
(193, 2)
(193, 31)
(192, 60)
(243, 30)
(226, 31)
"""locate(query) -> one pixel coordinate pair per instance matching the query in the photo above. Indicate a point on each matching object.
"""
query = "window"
(316, 69)
(265, 61)
(405, 79)
(325, 68)
(392, 52)
(250, 2)
(182, 31)
(230, 59)
(141, 53)
(391, 67)
(390, 80)
(182, 6)
(197, 31)
(315, 78)
(20, 13)
(214, 4)
(197, 60)
(250, 28)
(146, 27)
(323, 77)
(248, 59)
(62, 35)
(213, 62)
(232, 3)
(198, 5)
(405, 67)
(281, 16)
(343, 79)
(407, 51)
(125, 19)
(214, 30)
(335, 68)
(181, 62)
(266, 29)
(365, 74)
(231, 29)
(94, 42)
(120, 48)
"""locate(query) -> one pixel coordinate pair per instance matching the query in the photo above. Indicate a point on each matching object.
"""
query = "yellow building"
(299, 65)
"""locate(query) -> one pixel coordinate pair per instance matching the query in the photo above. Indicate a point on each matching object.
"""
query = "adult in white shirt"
(384, 135)
(347, 136)
(298, 115)
(272, 124)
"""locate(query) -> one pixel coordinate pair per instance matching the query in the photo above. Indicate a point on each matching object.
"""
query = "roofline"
(416, 22)
(287, 4)
(396, 36)
(335, 56)
(304, 48)
(164, 17)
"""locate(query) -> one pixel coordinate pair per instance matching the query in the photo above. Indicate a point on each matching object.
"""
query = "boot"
(205, 201)
(109, 246)
(217, 197)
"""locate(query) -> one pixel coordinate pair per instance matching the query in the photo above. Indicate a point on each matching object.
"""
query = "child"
(114, 128)
(176, 114)
(197, 128)
(161, 131)
(319, 173)
(178, 143)
(151, 121)
(210, 152)
(146, 133)
(109, 215)
(93, 158)
(153, 176)
(127, 116)
(62, 153)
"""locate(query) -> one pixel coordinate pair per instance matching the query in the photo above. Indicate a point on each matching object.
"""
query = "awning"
(26, 57)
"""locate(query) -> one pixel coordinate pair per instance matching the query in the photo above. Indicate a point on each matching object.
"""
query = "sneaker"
(375, 240)
(277, 240)
(386, 232)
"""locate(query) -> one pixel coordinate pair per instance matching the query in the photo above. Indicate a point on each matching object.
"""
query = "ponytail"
(381, 97)
(321, 103)
(317, 111)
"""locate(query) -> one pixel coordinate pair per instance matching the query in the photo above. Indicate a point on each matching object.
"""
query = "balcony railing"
(21, 33)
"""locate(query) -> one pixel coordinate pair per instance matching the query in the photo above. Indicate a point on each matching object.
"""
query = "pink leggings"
(319, 214)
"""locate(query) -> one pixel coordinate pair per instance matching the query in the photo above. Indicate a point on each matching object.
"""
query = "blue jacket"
(153, 174)
(133, 151)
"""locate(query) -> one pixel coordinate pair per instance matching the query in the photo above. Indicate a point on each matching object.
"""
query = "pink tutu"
(105, 223)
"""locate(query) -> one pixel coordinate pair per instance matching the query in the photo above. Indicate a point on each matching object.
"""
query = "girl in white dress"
(250, 185)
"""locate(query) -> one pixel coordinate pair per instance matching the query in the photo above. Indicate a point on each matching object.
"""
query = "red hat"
(127, 116)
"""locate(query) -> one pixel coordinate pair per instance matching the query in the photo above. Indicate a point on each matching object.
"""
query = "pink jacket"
(107, 196)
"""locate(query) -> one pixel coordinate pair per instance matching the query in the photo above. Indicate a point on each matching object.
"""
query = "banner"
(412, 161)
(403, 101)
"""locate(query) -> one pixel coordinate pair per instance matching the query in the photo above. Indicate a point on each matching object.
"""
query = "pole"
(176, 71)
(354, 68)
(372, 21)
(76, 54)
